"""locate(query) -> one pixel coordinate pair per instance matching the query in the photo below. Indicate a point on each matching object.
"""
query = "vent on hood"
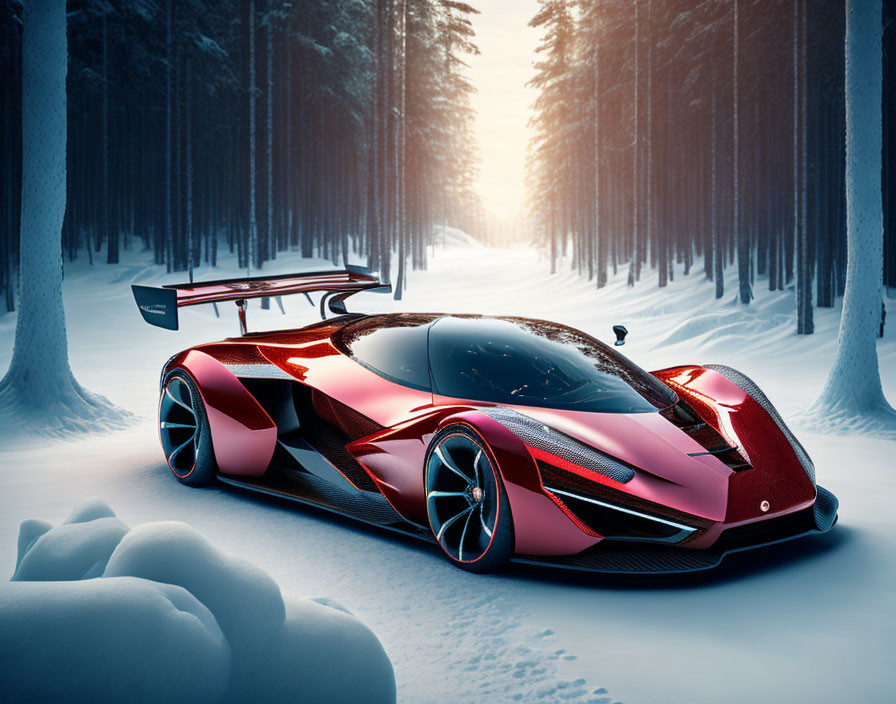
(711, 440)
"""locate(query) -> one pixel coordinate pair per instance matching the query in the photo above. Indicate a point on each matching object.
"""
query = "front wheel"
(184, 431)
(466, 502)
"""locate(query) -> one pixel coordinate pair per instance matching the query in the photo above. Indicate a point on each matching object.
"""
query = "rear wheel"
(184, 431)
(466, 502)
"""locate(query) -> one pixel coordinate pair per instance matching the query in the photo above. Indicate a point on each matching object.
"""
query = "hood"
(671, 468)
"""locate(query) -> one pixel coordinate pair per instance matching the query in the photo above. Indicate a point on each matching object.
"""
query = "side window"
(394, 348)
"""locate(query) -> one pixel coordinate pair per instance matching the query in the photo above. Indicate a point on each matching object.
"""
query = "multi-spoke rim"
(462, 498)
(179, 427)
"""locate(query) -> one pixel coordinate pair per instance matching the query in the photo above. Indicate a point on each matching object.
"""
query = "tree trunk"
(189, 172)
(270, 246)
(401, 158)
(39, 392)
(634, 272)
(717, 259)
(740, 237)
(111, 240)
(649, 236)
(254, 259)
(598, 235)
(169, 230)
(852, 396)
(269, 130)
(804, 274)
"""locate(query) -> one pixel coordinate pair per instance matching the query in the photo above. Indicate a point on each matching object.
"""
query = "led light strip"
(683, 530)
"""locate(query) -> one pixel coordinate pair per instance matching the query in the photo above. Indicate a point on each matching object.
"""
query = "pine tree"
(853, 392)
(39, 392)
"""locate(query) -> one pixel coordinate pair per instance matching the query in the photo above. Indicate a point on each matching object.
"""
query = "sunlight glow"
(502, 102)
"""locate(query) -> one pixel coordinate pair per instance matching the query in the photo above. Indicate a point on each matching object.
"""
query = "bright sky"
(502, 103)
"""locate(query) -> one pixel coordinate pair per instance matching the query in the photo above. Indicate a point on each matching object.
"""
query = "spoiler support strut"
(241, 306)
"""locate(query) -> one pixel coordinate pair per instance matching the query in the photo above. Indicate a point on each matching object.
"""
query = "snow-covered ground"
(808, 621)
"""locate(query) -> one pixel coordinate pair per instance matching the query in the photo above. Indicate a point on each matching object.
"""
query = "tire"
(184, 431)
(466, 503)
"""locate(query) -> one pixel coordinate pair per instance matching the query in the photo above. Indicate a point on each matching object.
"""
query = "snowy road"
(812, 621)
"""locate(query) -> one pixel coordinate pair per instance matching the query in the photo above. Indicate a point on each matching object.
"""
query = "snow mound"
(78, 549)
(838, 416)
(452, 237)
(244, 599)
(69, 552)
(65, 411)
(109, 640)
(110, 609)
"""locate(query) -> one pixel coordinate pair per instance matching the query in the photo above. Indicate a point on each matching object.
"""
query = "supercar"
(496, 438)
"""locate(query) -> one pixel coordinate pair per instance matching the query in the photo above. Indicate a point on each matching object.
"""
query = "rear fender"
(243, 435)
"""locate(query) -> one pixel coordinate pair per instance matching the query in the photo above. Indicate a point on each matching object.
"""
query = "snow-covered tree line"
(670, 132)
(330, 127)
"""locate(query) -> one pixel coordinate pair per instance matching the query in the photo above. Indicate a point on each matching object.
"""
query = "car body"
(530, 432)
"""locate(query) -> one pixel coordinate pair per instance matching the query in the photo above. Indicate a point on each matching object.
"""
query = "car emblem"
(764, 506)
(477, 494)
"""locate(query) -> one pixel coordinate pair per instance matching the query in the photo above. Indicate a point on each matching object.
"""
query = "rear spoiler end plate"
(158, 306)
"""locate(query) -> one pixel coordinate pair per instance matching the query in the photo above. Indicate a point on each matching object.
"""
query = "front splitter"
(616, 557)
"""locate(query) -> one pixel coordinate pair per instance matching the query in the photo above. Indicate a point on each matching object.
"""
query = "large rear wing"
(159, 305)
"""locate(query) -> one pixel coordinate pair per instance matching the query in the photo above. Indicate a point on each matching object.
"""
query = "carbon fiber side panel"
(825, 509)
(355, 425)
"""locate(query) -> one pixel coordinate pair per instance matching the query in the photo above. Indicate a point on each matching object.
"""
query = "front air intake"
(618, 523)
(616, 514)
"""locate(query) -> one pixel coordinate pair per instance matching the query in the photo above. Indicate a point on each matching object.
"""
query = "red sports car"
(497, 438)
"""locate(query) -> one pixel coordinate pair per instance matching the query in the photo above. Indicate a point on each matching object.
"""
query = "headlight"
(542, 437)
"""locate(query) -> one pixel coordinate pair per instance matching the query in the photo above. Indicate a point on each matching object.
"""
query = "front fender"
(777, 479)
(394, 458)
(243, 435)
(540, 525)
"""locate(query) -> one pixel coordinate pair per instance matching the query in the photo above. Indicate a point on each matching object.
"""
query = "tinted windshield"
(392, 346)
(535, 363)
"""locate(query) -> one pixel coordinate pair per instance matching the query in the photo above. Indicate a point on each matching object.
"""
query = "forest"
(665, 136)
(255, 126)
(678, 133)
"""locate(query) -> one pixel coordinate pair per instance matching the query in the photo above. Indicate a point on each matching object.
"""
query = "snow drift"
(156, 613)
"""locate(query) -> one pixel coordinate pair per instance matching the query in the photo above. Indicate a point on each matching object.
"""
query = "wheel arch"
(540, 526)
(243, 434)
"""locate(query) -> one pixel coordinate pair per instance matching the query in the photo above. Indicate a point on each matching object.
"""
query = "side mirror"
(621, 332)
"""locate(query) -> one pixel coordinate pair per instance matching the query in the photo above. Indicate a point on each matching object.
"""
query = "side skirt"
(364, 506)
